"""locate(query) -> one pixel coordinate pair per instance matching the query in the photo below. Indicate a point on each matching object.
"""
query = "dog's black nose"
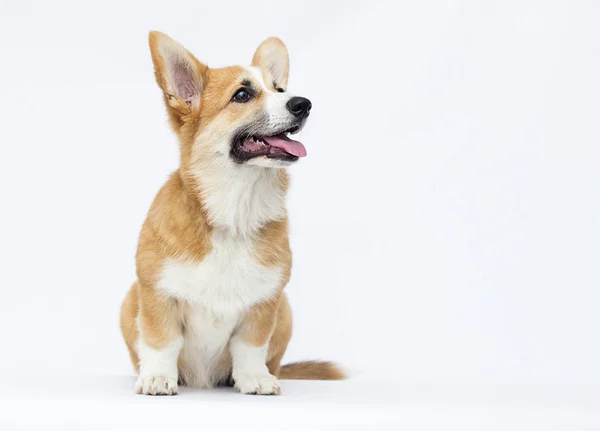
(299, 106)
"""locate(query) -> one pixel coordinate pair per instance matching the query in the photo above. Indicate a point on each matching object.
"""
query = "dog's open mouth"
(278, 146)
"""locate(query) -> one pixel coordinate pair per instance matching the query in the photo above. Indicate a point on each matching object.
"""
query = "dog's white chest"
(218, 290)
(229, 279)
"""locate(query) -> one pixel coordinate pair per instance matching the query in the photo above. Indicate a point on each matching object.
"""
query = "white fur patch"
(265, 162)
(241, 198)
(228, 279)
(275, 103)
(219, 289)
(204, 360)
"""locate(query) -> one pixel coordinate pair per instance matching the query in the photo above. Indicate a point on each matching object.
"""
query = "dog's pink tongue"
(288, 145)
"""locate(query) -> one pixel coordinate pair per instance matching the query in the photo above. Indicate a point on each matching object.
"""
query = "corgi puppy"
(208, 307)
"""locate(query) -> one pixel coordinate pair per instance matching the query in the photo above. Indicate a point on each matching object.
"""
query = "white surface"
(107, 403)
(444, 224)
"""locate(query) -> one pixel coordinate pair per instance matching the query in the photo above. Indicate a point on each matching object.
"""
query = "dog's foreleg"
(249, 346)
(159, 343)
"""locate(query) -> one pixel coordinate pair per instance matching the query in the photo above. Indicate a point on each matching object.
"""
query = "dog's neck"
(239, 198)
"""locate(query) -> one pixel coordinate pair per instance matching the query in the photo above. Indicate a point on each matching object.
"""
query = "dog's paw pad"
(156, 385)
(258, 384)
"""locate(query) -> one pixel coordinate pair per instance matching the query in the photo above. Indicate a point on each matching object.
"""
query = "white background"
(445, 224)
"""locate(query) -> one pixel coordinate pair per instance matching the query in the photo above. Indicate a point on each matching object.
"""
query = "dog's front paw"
(262, 384)
(156, 385)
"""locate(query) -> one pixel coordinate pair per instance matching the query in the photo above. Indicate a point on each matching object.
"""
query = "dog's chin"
(266, 162)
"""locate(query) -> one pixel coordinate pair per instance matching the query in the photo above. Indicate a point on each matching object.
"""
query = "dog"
(213, 258)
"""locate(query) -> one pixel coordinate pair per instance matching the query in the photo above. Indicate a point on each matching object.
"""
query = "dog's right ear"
(179, 75)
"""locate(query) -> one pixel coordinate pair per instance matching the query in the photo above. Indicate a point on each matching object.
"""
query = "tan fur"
(129, 311)
(280, 337)
(177, 225)
(311, 370)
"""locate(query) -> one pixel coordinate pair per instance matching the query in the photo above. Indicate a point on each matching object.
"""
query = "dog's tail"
(311, 370)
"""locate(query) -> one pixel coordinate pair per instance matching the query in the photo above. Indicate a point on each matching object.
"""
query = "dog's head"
(234, 115)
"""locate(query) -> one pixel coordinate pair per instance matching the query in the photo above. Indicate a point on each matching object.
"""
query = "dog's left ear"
(273, 60)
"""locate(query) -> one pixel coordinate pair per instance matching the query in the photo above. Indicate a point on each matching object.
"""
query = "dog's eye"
(241, 96)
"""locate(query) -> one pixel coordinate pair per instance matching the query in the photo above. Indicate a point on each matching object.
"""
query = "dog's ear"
(273, 60)
(179, 75)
